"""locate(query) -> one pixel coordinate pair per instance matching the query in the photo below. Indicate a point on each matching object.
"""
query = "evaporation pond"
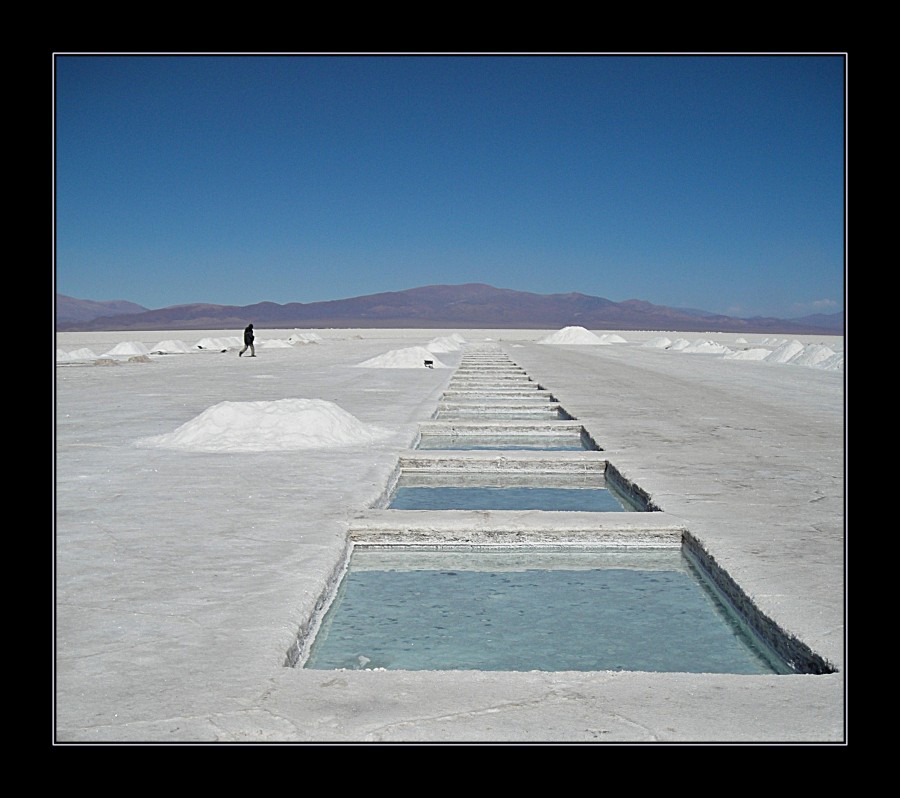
(618, 610)
(502, 415)
(489, 497)
(549, 443)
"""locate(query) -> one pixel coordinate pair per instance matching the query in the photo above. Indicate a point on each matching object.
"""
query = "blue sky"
(713, 182)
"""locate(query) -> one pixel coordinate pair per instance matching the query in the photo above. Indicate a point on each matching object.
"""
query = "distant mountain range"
(468, 306)
(70, 310)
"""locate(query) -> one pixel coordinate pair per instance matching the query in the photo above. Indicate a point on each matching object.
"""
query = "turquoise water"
(500, 498)
(500, 612)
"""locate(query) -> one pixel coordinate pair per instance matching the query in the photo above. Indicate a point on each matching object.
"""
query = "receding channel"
(530, 610)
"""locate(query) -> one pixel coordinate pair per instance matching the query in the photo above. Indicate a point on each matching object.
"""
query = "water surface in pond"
(509, 611)
(476, 497)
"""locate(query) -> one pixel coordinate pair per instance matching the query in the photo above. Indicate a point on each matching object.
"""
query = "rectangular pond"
(548, 443)
(553, 483)
(576, 491)
(502, 415)
(530, 610)
(505, 434)
(490, 497)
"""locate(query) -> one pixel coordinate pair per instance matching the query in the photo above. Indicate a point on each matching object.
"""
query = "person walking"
(248, 341)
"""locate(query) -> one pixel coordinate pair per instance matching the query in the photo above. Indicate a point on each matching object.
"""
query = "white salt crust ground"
(183, 575)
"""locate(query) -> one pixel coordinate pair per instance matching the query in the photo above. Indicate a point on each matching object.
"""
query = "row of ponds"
(507, 541)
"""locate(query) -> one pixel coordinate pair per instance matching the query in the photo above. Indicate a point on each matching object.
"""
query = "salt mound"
(170, 348)
(127, 348)
(786, 352)
(757, 353)
(409, 358)
(298, 337)
(445, 344)
(82, 354)
(612, 338)
(281, 425)
(740, 340)
(64, 357)
(705, 346)
(658, 343)
(834, 363)
(812, 355)
(571, 335)
(680, 343)
(218, 344)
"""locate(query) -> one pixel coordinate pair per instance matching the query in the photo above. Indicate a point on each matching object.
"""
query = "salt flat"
(185, 573)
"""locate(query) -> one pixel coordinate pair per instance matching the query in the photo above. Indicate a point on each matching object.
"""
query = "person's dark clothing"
(248, 341)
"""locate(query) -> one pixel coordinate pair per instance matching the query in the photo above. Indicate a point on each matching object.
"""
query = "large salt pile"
(127, 349)
(754, 353)
(218, 344)
(662, 342)
(572, 335)
(298, 337)
(705, 346)
(170, 348)
(813, 355)
(834, 363)
(445, 344)
(83, 354)
(64, 357)
(408, 358)
(280, 425)
(785, 353)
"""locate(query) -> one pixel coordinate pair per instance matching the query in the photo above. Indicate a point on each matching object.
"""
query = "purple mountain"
(468, 306)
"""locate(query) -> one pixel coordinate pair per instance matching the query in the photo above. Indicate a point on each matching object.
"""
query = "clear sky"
(714, 182)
